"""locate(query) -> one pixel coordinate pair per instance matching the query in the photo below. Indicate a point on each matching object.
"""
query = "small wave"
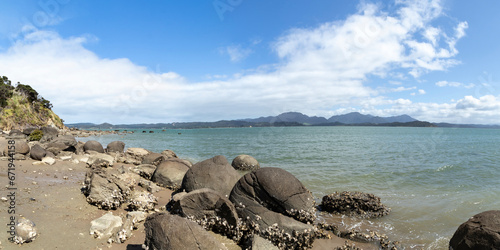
(444, 168)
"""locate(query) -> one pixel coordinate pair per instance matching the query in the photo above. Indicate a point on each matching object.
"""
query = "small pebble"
(4, 199)
(65, 177)
(34, 183)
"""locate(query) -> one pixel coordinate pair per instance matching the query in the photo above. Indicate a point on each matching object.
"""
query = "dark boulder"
(37, 152)
(93, 146)
(276, 190)
(49, 134)
(482, 231)
(354, 204)
(245, 163)
(277, 205)
(28, 131)
(116, 146)
(214, 173)
(153, 159)
(206, 204)
(170, 173)
(166, 231)
(62, 143)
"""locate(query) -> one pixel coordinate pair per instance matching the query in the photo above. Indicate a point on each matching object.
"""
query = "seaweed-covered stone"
(354, 204)
(214, 173)
(166, 231)
(481, 231)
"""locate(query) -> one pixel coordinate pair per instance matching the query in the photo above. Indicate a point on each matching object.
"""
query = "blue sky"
(174, 61)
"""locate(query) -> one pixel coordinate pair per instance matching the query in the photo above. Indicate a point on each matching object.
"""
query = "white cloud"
(236, 53)
(455, 84)
(319, 69)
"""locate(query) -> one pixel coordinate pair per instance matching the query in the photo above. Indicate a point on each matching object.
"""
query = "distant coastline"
(289, 119)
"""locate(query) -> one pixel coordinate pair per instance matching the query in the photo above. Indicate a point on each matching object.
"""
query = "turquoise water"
(433, 178)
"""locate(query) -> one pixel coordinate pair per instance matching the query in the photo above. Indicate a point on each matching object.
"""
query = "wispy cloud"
(236, 53)
(455, 84)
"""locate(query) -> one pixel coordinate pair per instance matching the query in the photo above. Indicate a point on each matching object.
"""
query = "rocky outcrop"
(354, 204)
(481, 231)
(165, 231)
(116, 147)
(214, 173)
(100, 160)
(245, 163)
(170, 173)
(93, 146)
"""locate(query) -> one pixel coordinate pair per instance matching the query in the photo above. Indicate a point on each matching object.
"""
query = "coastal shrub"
(36, 135)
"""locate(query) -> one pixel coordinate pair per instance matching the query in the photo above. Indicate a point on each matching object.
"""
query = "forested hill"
(22, 107)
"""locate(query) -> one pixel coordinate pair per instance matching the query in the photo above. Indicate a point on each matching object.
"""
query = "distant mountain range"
(289, 119)
(284, 119)
(350, 118)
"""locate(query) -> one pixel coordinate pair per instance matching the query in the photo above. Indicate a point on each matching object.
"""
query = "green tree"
(5, 90)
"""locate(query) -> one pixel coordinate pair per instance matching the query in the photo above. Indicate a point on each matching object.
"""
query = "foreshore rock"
(481, 231)
(214, 173)
(354, 204)
(166, 231)
(245, 163)
(277, 206)
(170, 173)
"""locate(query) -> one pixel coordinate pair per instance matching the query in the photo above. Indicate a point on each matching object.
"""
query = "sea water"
(433, 179)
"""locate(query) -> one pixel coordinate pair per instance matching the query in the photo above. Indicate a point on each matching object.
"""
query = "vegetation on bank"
(22, 107)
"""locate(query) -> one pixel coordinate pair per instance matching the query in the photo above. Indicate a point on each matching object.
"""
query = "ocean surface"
(434, 179)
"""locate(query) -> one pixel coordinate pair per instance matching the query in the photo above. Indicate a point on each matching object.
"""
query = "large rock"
(137, 154)
(37, 152)
(214, 173)
(100, 160)
(206, 204)
(145, 170)
(354, 204)
(93, 146)
(142, 201)
(482, 231)
(104, 190)
(17, 134)
(277, 205)
(49, 133)
(62, 143)
(170, 173)
(21, 147)
(245, 163)
(153, 159)
(115, 146)
(165, 231)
